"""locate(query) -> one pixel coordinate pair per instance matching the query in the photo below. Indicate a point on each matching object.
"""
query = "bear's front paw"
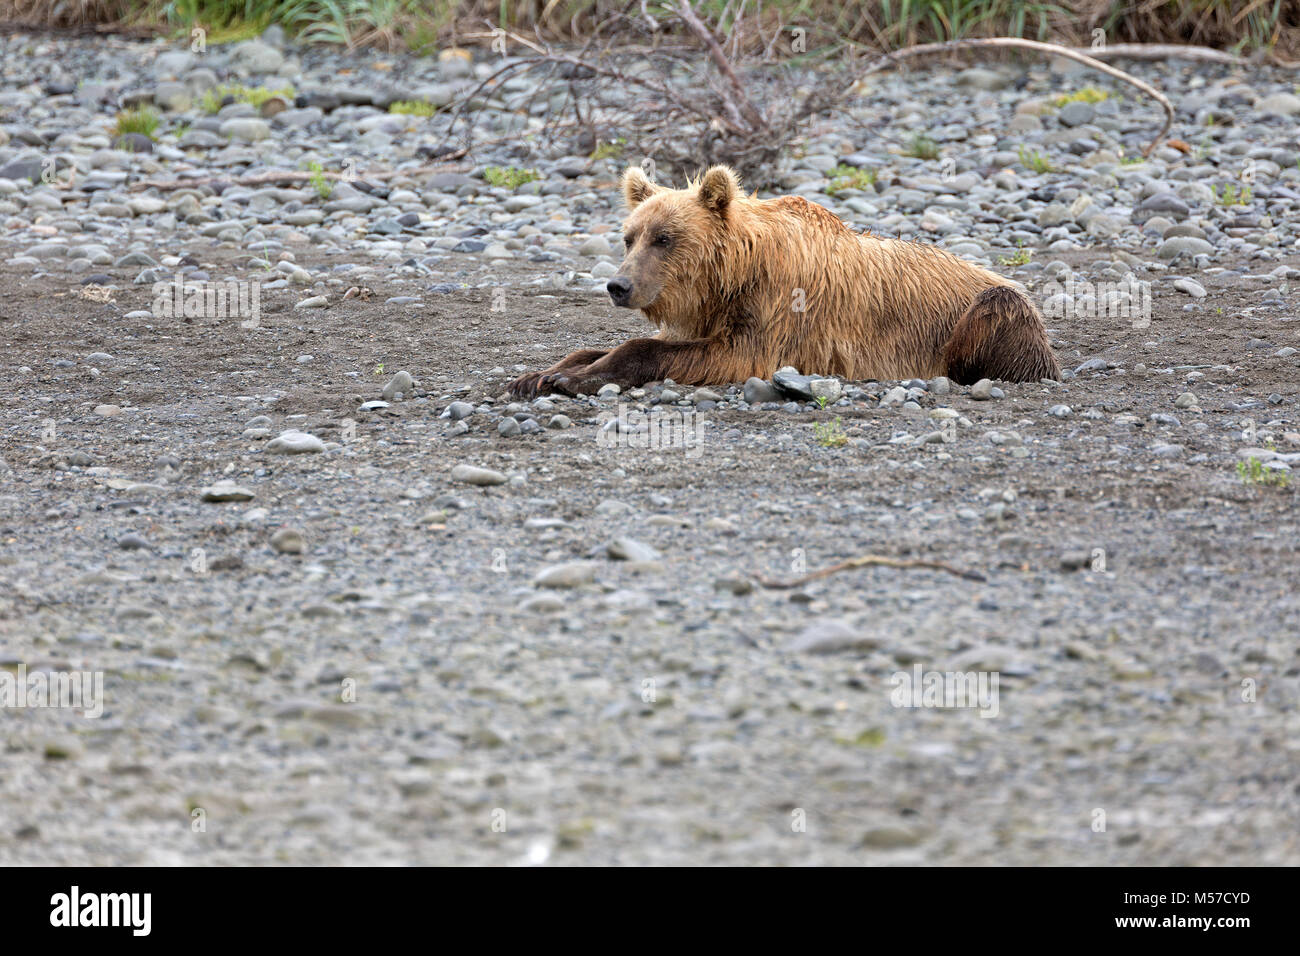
(556, 382)
(526, 386)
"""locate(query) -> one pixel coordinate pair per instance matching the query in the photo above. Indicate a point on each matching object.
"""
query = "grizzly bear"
(740, 286)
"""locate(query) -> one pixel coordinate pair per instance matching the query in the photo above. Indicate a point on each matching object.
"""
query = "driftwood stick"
(1161, 51)
(291, 176)
(871, 560)
(1051, 49)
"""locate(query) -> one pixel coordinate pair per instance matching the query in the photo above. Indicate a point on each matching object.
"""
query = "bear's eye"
(663, 239)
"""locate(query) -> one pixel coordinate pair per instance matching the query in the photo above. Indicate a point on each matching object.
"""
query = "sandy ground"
(402, 691)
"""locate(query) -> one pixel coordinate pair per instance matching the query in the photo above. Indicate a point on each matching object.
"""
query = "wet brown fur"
(722, 276)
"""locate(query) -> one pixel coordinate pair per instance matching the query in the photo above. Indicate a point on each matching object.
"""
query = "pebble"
(472, 475)
(570, 575)
(831, 636)
(294, 442)
(226, 491)
(629, 549)
(757, 391)
(826, 389)
(790, 382)
(400, 385)
(288, 541)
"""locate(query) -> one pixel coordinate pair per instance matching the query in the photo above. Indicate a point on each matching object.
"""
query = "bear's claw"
(539, 383)
(526, 386)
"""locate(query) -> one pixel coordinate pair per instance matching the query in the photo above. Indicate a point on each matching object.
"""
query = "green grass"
(422, 38)
(1252, 472)
(1021, 258)
(849, 177)
(215, 98)
(830, 434)
(324, 187)
(392, 24)
(422, 25)
(140, 119)
(611, 150)
(1230, 194)
(413, 108)
(1089, 94)
(509, 177)
(922, 147)
(1033, 160)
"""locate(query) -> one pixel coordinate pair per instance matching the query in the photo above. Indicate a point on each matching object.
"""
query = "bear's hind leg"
(1001, 336)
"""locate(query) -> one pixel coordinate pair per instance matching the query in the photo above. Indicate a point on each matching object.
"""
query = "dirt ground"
(659, 713)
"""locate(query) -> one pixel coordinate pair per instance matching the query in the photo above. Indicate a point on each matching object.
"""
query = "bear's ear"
(718, 188)
(637, 187)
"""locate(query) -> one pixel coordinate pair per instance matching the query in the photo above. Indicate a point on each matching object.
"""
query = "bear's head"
(673, 239)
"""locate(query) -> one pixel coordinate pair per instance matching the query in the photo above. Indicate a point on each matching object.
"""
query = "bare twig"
(870, 560)
(720, 60)
(1161, 51)
(1052, 49)
(291, 176)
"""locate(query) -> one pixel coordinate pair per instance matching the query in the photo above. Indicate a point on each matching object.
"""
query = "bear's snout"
(620, 290)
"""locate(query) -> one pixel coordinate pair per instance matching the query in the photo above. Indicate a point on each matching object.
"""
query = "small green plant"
(1034, 160)
(421, 39)
(413, 108)
(1252, 472)
(139, 119)
(1089, 94)
(1021, 257)
(922, 147)
(850, 177)
(379, 369)
(1232, 195)
(509, 177)
(830, 434)
(216, 97)
(324, 188)
(612, 150)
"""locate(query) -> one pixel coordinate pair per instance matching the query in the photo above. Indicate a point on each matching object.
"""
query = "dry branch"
(872, 561)
(720, 60)
(688, 98)
(291, 176)
(1161, 51)
(1052, 49)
